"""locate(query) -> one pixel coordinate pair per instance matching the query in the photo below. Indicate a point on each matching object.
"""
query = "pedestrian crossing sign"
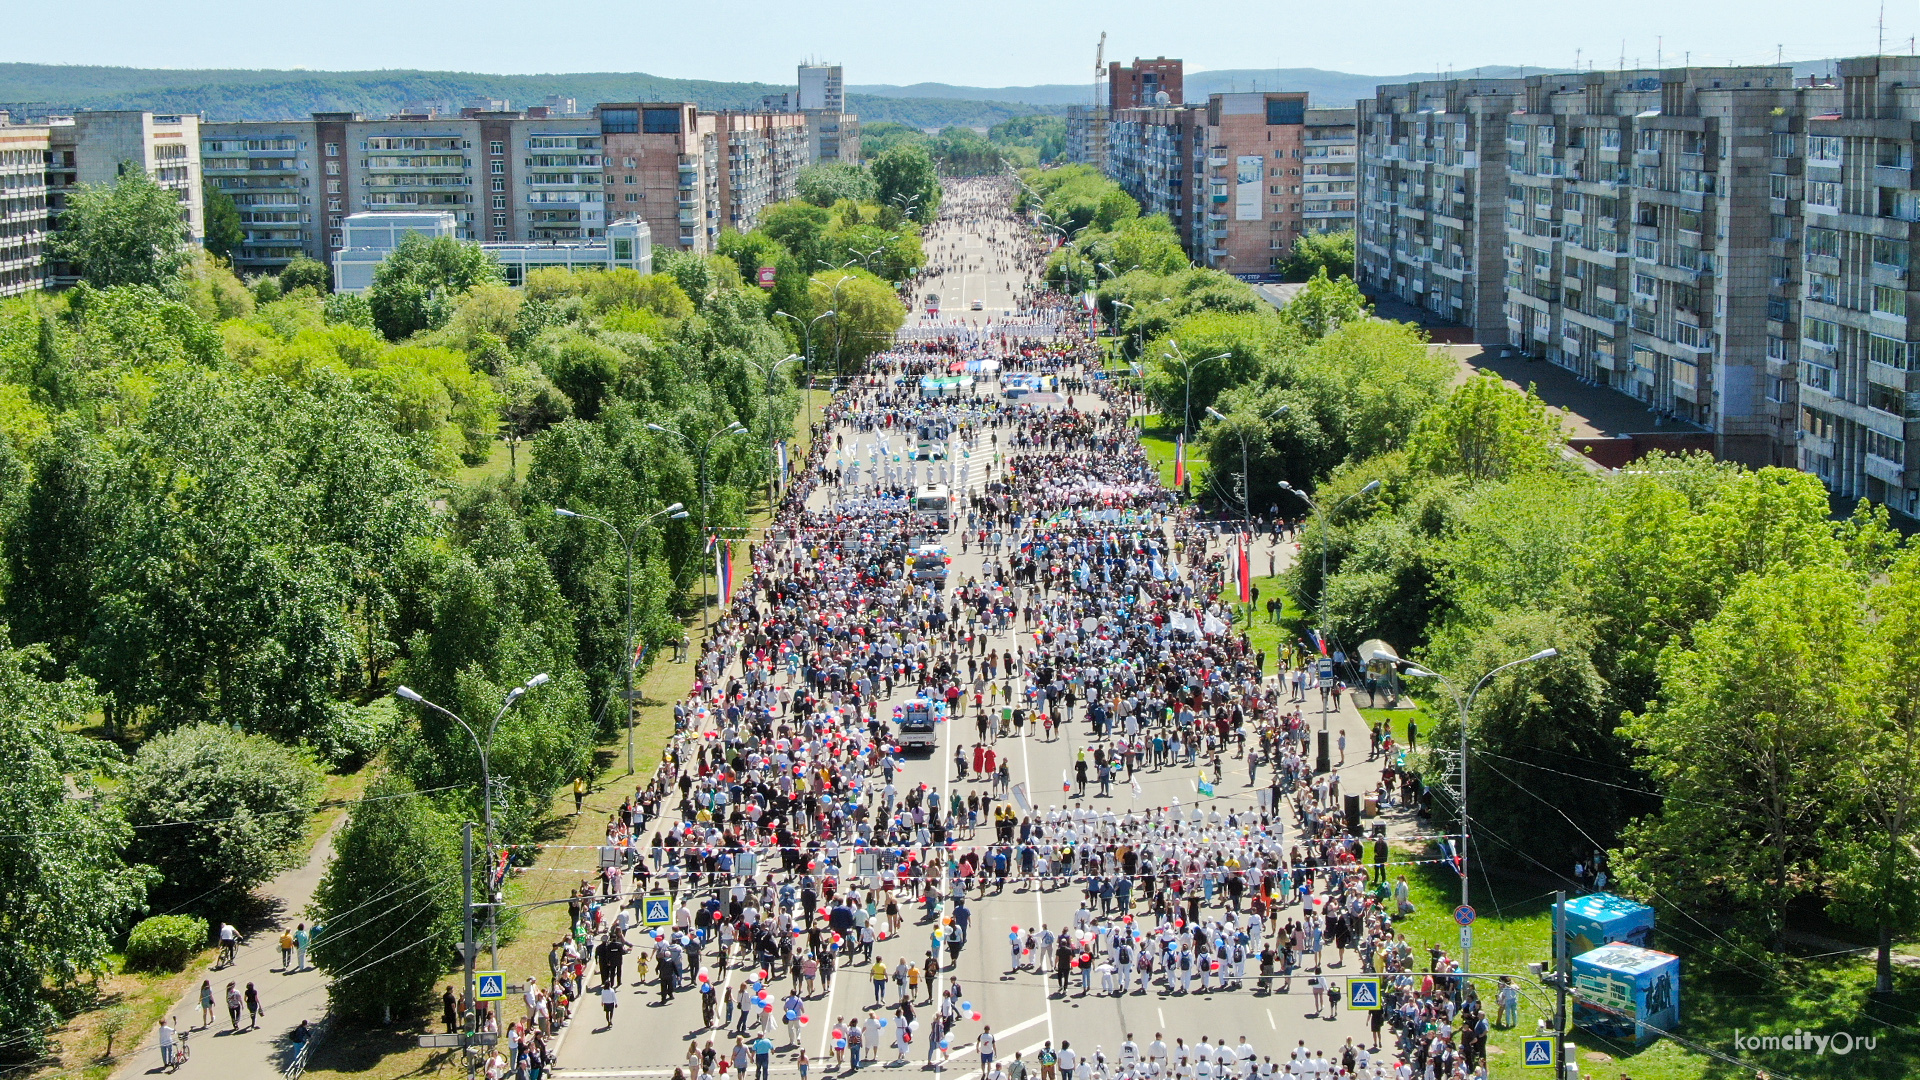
(1536, 1053)
(656, 911)
(490, 985)
(1363, 993)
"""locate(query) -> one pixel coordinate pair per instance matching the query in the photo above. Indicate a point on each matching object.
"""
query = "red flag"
(1180, 462)
(1244, 571)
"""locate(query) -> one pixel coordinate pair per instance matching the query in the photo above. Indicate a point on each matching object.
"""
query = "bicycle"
(180, 1051)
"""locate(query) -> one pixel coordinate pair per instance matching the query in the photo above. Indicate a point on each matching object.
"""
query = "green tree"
(129, 232)
(223, 232)
(1741, 747)
(1875, 871)
(867, 314)
(416, 287)
(65, 891)
(904, 175)
(1315, 253)
(305, 273)
(1326, 304)
(217, 811)
(1487, 430)
(829, 182)
(388, 906)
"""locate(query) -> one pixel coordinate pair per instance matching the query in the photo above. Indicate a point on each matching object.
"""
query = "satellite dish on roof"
(1162, 98)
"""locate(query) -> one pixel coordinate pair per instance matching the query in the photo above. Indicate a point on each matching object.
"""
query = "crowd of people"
(781, 824)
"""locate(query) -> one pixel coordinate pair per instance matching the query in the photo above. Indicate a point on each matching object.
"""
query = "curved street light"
(704, 449)
(676, 512)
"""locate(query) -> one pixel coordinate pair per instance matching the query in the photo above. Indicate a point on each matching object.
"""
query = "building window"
(499, 235)
(632, 180)
(1888, 301)
(1822, 193)
(660, 121)
(1824, 149)
(333, 149)
(496, 147)
(497, 168)
(333, 168)
(499, 202)
(333, 240)
(333, 187)
(333, 204)
(499, 184)
(633, 196)
(499, 221)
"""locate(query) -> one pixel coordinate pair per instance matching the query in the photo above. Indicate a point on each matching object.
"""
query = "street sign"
(1363, 993)
(1463, 915)
(490, 985)
(609, 856)
(1466, 938)
(868, 864)
(746, 864)
(1536, 1053)
(445, 1039)
(656, 911)
(766, 277)
(451, 1038)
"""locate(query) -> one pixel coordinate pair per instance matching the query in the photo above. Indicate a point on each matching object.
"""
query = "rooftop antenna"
(1659, 53)
(1623, 54)
(1576, 59)
(1880, 45)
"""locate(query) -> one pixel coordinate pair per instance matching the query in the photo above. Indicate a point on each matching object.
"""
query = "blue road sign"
(656, 912)
(490, 985)
(1463, 915)
(1536, 1053)
(1363, 993)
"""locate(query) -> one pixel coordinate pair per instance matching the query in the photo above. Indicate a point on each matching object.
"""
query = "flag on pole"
(640, 654)
(1244, 572)
(1180, 462)
(723, 571)
(780, 453)
(711, 540)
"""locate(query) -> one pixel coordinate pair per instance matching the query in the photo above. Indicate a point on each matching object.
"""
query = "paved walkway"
(289, 997)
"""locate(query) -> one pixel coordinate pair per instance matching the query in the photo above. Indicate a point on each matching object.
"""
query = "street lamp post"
(703, 448)
(1325, 524)
(773, 466)
(1186, 412)
(1465, 705)
(483, 748)
(676, 512)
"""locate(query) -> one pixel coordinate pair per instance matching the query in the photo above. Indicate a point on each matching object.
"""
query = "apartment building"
(1139, 85)
(765, 152)
(664, 165)
(23, 204)
(822, 87)
(832, 135)
(1150, 155)
(372, 235)
(1858, 378)
(1329, 156)
(1432, 164)
(96, 147)
(1087, 133)
(505, 175)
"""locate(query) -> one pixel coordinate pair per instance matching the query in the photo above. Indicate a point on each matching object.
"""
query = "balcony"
(1885, 470)
(1893, 176)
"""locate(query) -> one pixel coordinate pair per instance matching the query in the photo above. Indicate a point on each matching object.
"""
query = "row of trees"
(1023, 143)
(232, 518)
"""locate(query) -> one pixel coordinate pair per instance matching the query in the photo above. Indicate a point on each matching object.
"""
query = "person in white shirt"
(985, 1045)
(1129, 1053)
(1067, 1059)
(1157, 1053)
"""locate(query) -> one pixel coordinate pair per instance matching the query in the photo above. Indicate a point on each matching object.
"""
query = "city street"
(1023, 1008)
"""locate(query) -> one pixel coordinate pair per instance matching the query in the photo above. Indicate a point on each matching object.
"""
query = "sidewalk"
(288, 998)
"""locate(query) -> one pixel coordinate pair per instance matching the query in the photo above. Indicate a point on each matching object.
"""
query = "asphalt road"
(1022, 1007)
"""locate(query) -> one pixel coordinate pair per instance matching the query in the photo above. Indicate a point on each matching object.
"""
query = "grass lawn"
(1160, 444)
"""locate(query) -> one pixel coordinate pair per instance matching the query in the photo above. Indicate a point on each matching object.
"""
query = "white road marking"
(1271, 1022)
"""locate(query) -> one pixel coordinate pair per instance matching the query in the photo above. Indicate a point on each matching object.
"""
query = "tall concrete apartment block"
(666, 159)
(23, 205)
(1139, 86)
(1432, 164)
(1858, 386)
(505, 176)
(822, 87)
(1087, 135)
(1241, 177)
(765, 152)
(97, 147)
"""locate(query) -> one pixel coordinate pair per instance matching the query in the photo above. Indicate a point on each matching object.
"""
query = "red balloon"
(976, 1016)
(805, 1019)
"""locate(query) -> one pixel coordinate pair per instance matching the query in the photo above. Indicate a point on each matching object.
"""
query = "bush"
(219, 810)
(351, 737)
(166, 942)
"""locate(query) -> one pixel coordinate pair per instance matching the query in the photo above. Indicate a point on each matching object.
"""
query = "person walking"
(762, 1057)
(254, 1011)
(233, 1005)
(286, 950)
(206, 1003)
(301, 942)
(985, 1045)
(609, 1000)
(166, 1043)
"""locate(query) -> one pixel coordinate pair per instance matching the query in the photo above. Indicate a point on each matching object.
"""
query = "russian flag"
(1180, 462)
(1319, 643)
(723, 571)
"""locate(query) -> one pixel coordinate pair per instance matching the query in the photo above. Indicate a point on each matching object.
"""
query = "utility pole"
(1562, 976)
(470, 1015)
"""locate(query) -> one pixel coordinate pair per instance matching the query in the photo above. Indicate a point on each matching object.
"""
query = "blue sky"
(974, 42)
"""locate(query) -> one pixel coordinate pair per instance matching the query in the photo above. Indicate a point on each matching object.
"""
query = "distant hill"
(1327, 88)
(241, 94)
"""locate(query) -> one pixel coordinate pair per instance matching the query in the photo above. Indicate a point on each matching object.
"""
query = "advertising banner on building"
(1248, 173)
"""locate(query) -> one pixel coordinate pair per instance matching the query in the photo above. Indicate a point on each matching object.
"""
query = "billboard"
(1249, 171)
(1598, 919)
